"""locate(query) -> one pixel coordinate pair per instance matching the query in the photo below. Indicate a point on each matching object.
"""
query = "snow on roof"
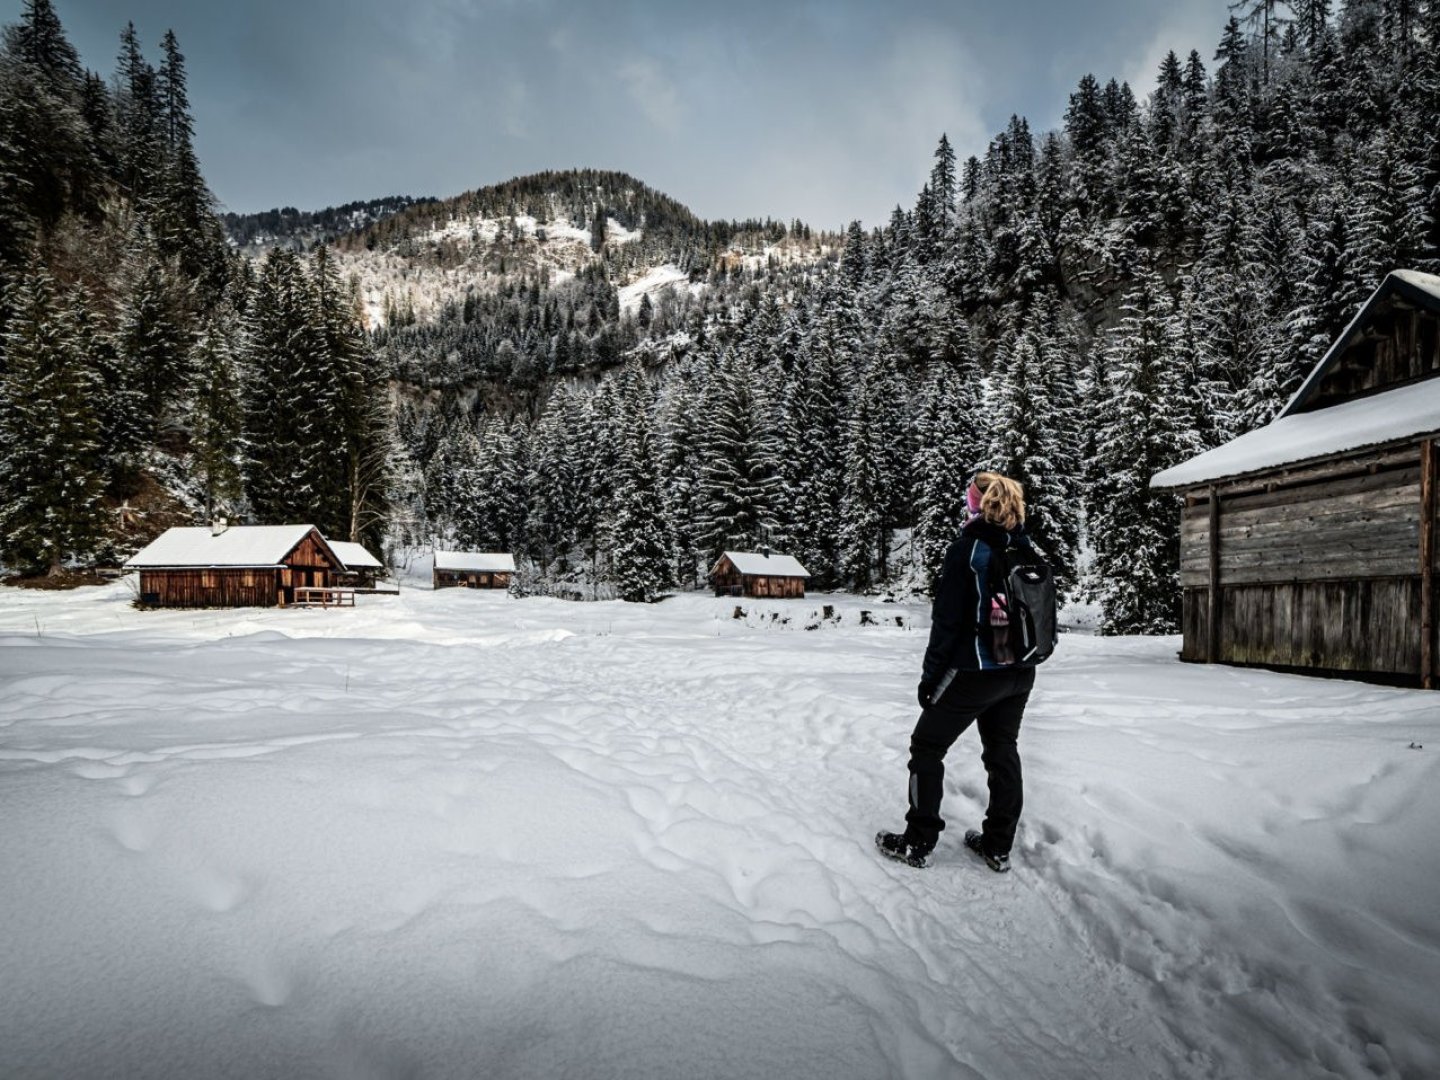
(484, 562)
(354, 556)
(771, 565)
(1402, 413)
(238, 545)
(1427, 282)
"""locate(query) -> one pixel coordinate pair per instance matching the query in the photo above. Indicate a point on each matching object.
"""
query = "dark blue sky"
(823, 110)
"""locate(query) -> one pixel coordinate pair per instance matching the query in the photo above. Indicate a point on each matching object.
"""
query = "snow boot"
(894, 846)
(976, 843)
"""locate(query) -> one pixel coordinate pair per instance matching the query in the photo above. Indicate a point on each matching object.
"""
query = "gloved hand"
(924, 695)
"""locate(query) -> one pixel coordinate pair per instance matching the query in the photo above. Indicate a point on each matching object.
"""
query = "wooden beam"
(1429, 454)
(1212, 629)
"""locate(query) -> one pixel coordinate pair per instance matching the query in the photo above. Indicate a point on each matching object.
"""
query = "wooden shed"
(361, 568)
(759, 574)
(1309, 544)
(234, 566)
(473, 569)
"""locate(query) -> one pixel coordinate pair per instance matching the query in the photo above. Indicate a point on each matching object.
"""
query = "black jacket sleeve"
(952, 617)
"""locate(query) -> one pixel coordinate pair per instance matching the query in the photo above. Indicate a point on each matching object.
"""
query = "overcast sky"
(826, 110)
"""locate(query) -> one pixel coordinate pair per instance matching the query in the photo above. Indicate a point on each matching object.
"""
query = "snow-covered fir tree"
(642, 549)
(50, 471)
(1143, 429)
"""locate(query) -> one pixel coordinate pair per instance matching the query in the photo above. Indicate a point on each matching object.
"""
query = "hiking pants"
(995, 702)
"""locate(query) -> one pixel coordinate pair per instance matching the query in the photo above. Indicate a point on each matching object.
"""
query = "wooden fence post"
(1428, 478)
(1212, 599)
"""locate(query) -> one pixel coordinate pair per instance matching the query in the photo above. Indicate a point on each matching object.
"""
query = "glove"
(924, 695)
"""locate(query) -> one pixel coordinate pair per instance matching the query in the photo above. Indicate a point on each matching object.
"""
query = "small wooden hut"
(233, 566)
(473, 569)
(760, 574)
(1309, 544)
(361, 568)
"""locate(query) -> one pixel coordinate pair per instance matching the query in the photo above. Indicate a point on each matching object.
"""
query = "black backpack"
(1024, 585)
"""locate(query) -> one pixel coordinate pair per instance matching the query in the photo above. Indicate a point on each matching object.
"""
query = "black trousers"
(995, 702)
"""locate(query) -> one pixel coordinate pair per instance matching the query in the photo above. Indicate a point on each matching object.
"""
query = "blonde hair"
(1002, 500)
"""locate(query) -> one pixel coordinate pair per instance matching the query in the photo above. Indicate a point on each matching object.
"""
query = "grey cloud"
(821, 110)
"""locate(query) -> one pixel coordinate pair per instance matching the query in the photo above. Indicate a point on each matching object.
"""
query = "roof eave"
(1279, 471)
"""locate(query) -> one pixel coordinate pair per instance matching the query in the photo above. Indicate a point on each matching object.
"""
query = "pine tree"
(138, 114)
(642, 545)
(47, 168)
(360, 426)
(552, 482)
(50, 473)
(1142, 431)
(217, 419)
(864, 537)
(1035, 442)
(183, 214)
(945, 456)
(740, 476)
(152, 342)
(942, 184)
(813, 439)
(291, 437)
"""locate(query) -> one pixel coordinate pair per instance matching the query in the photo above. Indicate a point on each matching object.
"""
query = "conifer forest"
(1078, 308)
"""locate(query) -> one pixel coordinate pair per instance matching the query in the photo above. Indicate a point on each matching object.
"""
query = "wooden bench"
(314, 596)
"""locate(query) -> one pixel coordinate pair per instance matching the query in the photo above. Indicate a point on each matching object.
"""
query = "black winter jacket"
(960, 616)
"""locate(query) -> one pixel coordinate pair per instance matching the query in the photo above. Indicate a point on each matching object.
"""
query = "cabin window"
(209, 579)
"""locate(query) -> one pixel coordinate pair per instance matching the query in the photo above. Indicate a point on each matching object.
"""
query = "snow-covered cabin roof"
(354, 556)
(1415, 286)
(481, 562)
(1406, 412)
(237, 545)
(766, 565)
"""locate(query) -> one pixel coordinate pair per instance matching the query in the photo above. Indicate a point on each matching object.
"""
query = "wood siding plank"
(1429, 475)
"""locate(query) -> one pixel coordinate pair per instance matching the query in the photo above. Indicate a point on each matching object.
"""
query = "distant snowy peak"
(417, 275)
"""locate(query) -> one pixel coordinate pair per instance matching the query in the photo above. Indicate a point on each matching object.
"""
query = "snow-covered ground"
(653, 283)
(459, 834)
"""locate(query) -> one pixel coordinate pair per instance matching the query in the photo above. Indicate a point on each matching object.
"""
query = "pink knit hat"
(972, 498)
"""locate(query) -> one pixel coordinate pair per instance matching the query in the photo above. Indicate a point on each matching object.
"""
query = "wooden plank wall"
(470, 579)
(1363, 625)
(766, 586)
(210, 588)
(1429, 578)
(1400, 343)
(1321, 575)
(310, 553)
(1358, 526)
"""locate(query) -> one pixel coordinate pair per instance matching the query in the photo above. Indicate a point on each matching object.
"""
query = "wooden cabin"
(473, 569)
(362, 569)
(233, 566)
(1309, 544)
(761, 574)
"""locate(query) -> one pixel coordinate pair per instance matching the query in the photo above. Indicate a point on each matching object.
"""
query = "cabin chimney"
(218, 526)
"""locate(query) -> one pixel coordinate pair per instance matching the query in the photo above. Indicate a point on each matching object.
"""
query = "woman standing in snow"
(970, 675)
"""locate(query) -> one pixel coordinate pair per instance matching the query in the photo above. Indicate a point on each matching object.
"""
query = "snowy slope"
(458, 834)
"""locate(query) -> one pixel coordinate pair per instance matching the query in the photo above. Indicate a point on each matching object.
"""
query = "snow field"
(457, 834)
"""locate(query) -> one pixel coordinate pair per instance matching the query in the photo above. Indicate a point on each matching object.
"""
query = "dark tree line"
(1079, 309)
(135, 350)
